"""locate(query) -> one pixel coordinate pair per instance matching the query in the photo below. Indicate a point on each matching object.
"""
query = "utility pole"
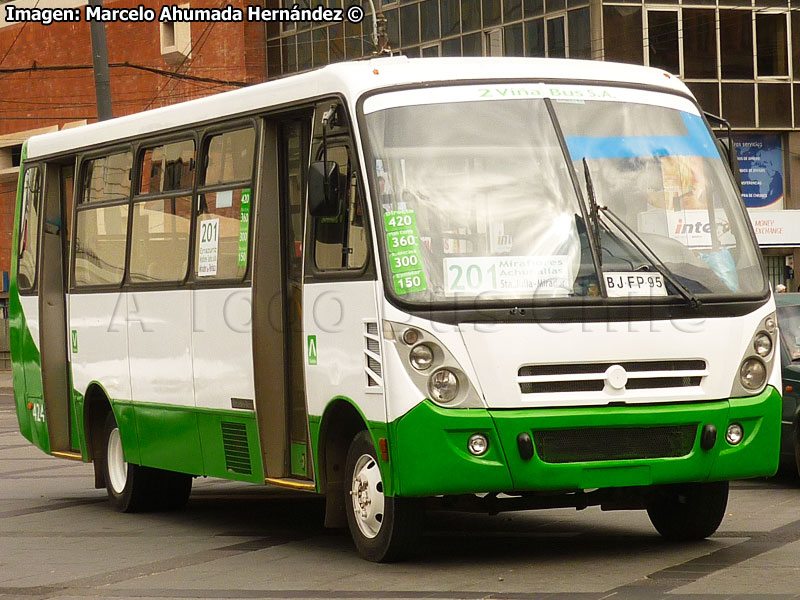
(382, 36)
(102, 79)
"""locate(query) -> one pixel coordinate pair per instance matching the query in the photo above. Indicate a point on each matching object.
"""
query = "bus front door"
(56, 387)
(278, 298)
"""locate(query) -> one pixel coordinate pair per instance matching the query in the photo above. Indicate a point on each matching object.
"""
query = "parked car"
(789, 326)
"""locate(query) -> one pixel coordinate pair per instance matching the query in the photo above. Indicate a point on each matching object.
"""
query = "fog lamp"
(734, 434)
(478, 444)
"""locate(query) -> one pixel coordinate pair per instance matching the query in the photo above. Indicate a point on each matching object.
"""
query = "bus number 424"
(38, 412)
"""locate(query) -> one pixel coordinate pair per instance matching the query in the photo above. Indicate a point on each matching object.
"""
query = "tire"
(170, 490)
(690, 511)
(134, 488)
(796, 439)
(384, 528)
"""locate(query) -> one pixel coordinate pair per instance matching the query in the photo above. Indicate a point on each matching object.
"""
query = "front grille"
(591, 377)
(648, 383)
(551, 387)
(614, 443)
(637, 366)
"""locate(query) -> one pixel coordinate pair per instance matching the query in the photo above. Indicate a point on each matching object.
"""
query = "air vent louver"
(372, 355)
(237, 450)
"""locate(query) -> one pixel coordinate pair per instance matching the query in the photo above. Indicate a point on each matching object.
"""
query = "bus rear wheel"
(796, 438)
(134, 488)
(690, 511)
(384, 528)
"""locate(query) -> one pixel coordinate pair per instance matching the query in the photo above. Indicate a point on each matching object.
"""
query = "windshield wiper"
(593, 211)
(634, 238)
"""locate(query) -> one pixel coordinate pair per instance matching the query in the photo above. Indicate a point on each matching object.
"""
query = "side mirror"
(725, 145)
(733, 161)
(323, 189)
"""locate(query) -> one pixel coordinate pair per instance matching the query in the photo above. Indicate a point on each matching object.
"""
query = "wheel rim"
(367, 495)
(117, 467)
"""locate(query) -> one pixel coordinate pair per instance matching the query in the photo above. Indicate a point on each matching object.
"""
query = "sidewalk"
(6, 385)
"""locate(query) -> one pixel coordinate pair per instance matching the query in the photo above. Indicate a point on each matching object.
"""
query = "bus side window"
(223, 205)
(340, 241)
(101, 220)
(160, 228)
(29, 229)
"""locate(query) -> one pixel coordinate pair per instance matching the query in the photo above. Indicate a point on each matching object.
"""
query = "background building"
(741, 58)
(47, 82)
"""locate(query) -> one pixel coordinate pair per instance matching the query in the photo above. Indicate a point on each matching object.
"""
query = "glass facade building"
(740, 58)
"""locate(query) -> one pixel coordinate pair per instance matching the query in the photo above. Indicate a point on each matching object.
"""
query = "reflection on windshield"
(478, 200)
(660, 171)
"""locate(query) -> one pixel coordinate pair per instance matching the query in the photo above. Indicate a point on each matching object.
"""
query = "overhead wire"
(194, 47)
(19, 33)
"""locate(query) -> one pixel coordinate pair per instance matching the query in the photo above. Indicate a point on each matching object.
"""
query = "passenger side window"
(162, 213)
(224, 203)
(167, 168)
(29, 229)
(107, 178)
(340, 241)
(101, 221)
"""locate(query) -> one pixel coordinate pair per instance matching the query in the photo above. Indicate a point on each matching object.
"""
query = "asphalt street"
(59, 539)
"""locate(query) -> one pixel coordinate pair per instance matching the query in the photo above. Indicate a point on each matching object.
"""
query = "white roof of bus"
(351, 79)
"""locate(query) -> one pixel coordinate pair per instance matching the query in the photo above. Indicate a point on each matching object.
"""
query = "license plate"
(626, 284)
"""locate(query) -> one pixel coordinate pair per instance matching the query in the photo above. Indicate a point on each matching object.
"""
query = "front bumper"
(430, 457)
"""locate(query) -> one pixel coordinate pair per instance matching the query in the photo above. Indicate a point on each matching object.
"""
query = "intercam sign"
(693, 227)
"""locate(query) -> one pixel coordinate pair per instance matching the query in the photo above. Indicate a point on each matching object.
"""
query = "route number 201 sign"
(538, 275)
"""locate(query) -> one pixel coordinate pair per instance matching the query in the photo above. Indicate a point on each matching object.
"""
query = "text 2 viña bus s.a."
(402, 284)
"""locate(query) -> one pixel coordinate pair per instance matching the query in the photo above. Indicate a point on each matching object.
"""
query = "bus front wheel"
(134, 488)
(384, 528)
(691, 511)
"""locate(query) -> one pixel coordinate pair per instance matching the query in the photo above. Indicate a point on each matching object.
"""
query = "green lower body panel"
(429, 453)
(216, 443)
(168, 438)
(78, 403)
(377, 429)
(126, 421)
(230, 445)
(431, 457)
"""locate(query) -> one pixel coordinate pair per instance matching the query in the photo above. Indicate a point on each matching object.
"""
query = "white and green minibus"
(483, 284)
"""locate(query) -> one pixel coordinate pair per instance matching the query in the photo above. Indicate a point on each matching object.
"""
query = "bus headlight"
(443, 385)
(752, 374)
(431, 365)
(421, 357)
(771, 324)
(758, 362)
(411, 336)
(762, 344)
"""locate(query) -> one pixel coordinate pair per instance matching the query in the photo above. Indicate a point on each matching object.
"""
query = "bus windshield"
(499, 192)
